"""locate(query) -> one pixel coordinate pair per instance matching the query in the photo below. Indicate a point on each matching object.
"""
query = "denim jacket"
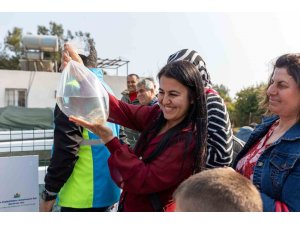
(277, 171)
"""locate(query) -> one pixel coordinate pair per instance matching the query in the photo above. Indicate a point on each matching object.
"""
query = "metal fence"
(27, 142)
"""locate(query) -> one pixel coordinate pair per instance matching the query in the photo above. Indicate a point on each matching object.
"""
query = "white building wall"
(42, 91)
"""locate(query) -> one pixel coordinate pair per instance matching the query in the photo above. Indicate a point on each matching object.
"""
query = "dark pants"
(67, 209)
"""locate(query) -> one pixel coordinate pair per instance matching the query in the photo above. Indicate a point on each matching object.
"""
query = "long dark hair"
(185, 73)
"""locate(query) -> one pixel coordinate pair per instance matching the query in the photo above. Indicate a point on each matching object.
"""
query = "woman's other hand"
(102, 131)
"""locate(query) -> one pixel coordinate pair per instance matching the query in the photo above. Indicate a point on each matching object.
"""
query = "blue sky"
(237, 46)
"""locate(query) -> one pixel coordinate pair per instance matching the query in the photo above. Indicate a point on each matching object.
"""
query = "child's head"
(217, 190)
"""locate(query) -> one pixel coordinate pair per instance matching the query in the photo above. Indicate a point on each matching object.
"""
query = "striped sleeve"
(220, 139)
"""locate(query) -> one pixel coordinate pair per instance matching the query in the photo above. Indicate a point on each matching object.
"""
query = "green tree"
(42, 30)
(54, 30)
(13, 41)
(247, 109)
(8, 62)
(71, 36)
(223, 92)
(12, 51)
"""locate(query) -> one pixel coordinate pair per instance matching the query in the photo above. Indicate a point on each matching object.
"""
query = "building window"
(16, 97)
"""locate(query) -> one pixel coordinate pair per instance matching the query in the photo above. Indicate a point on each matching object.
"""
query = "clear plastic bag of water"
(81, 94)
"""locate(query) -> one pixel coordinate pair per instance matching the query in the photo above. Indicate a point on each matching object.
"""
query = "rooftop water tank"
(45, 43)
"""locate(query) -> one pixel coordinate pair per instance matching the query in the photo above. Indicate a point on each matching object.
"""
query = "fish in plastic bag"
(81, 94)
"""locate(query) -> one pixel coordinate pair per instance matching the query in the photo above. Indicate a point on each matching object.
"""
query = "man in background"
(146, 92)
(129, 136)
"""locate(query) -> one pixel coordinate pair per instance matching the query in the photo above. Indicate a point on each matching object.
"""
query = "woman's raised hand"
(69, 54)
(72, 53)
(102, 131)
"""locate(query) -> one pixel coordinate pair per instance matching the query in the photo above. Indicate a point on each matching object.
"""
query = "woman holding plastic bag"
(172, 145)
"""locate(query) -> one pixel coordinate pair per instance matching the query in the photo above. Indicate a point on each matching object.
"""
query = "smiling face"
(144, 95)
(284, 95)
(131, 83)
(174, 100)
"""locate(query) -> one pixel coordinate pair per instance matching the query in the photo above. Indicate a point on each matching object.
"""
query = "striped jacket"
(220, 138)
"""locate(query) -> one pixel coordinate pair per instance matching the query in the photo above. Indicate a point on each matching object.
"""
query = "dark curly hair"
(291, 62)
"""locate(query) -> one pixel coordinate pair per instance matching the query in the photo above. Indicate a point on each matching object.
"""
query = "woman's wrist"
(107, 139)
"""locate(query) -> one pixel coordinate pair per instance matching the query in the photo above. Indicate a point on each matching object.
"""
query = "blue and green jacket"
(78, 169)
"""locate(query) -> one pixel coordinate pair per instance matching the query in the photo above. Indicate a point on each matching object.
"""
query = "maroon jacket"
(137, 179)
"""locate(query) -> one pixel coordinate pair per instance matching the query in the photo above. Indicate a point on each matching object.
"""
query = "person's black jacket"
(67, 138)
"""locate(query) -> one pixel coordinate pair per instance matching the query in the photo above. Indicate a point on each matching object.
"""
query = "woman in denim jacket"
(270, 157)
